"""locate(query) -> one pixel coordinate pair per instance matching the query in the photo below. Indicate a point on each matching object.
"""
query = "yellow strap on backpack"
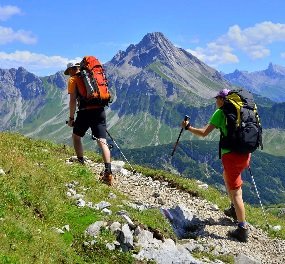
(237, 102)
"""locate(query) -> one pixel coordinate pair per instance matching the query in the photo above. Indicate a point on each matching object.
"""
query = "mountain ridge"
(154, 48)
(269, 82)
(154, 84)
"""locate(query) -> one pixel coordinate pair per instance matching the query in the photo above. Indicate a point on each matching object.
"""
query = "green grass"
(155, 67)
(278, 210)
(33, 201)
(212, 256)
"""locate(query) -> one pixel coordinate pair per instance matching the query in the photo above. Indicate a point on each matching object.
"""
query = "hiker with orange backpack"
(234, 162)
(90, 114)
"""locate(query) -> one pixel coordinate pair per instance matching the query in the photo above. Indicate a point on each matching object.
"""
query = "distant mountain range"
(154, 84)
(269, 83)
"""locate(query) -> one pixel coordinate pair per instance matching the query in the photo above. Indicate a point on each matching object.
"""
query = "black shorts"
(91, 118)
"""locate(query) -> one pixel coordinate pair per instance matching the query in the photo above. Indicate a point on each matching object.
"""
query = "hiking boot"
(76, 159)
(81, 160)
(241, 234)
(231, 212)
(107, 178)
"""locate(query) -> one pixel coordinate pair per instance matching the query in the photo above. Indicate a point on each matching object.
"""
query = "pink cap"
(223, 93)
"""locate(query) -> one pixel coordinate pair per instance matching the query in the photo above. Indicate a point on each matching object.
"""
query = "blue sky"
(42, 36)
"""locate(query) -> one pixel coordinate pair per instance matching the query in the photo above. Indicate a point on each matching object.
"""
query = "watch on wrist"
(187, 127)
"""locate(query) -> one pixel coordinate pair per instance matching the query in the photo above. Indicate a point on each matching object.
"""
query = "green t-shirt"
(218, 120)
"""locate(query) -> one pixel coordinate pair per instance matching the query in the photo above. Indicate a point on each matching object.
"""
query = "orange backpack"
(95, 89)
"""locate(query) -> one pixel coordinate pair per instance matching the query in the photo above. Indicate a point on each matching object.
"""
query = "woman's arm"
(201, 132)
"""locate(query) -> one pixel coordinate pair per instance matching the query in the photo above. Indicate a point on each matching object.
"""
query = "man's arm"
(72, 105)
(72, 108)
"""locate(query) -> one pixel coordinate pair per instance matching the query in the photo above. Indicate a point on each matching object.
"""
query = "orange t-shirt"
(76, 85)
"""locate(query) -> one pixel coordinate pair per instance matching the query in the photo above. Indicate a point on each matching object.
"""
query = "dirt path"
(152, 193)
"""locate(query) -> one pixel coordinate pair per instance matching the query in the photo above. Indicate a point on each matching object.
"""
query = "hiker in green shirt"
(233, 164)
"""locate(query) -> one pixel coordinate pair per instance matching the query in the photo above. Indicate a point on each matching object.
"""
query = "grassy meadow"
(33, 202)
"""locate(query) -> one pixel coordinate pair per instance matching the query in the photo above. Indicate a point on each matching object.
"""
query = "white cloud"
(215, 54)
(7, 11)
(283, 55)
(8, 35)
(253, 41)
(34, 62)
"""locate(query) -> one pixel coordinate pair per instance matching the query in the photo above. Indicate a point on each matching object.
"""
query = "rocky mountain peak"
(274, 70)
(29, 85)
(58, 79)
(237, 72)
(155, 39)
(154, 46)
(156, 66)
(241, 75)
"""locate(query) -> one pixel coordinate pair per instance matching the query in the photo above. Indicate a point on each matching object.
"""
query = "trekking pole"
(185, 119)
(133, 170)
(249, 169)
(110, 146)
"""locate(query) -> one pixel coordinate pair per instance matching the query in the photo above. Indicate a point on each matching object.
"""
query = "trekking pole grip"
(66, 122)
(186, 118)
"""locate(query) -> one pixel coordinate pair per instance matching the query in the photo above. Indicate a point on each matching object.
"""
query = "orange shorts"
(234, 164)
